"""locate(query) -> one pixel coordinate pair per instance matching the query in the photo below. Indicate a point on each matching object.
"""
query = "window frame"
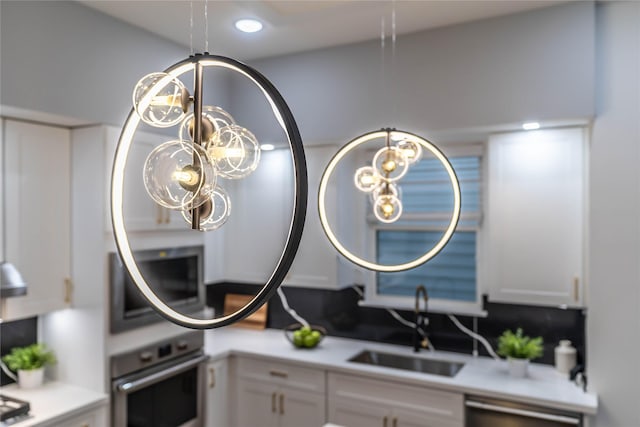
(438, 305)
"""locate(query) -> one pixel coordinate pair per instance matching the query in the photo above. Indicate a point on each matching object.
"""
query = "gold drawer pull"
(384, 421)
(273, 402)
(281, 404)
(279, 374)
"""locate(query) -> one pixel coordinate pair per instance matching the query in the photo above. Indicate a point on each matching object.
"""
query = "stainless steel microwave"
(174, 274)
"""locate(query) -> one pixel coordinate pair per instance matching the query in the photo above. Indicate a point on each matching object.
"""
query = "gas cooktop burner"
(12, 410)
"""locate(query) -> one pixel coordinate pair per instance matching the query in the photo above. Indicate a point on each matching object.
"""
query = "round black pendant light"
(214, 146)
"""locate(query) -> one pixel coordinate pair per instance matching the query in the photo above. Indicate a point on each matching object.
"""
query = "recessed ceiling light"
(531, 126)
(248, 25)
(267, 147)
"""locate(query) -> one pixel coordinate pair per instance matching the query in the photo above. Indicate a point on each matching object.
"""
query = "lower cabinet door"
(91, 418)
(217, 409)
(408, 418)
(349, 413)
(257, 404)
(299, 408)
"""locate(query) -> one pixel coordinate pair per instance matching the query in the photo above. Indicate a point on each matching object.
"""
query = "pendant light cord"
(393, 61)
(382, 69)
(206, 26)
(191, 28)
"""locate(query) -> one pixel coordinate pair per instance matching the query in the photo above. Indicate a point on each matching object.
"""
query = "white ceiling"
(297, 25)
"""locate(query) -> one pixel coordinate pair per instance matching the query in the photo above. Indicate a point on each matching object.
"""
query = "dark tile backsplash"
(18, 333)
(339, 312)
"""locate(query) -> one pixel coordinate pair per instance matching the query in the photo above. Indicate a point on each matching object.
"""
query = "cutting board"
(257, 320)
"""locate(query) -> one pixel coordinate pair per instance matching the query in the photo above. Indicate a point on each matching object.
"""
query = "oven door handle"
(524, 413)
(131, 386)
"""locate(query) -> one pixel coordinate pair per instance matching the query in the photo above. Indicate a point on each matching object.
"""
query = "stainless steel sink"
(429, 366)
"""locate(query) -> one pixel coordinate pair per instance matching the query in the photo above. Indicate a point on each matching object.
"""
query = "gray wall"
(534, 65)
(613, 324)
(64, 58)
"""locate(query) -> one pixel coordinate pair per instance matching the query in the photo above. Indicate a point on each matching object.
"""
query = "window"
(451, 276)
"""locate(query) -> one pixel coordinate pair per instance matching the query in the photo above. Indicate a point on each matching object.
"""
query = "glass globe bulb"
(214, 213)
(411, 150)
(390, 163)
(178, 175)
(160, 100)
(366, 179)
(213, 119)
(235, 151)
(387, 209)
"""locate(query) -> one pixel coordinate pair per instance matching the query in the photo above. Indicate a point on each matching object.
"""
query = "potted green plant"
(519, 349)
(29, 362)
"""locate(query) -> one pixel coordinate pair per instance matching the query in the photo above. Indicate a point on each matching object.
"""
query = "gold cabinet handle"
(279, 374)
(167, 215)
(68, 290)
(281, 404)
(158, 214)
(576, 289)
(212, 377)
(394, 423)
(273, 402)
(384, 421)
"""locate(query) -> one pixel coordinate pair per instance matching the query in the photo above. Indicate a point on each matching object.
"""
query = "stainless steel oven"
(174, 274)
(161, 384)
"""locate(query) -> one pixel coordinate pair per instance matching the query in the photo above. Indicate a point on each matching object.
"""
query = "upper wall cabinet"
(536, 217)
(260, 217)
(141, 212)
(36, 202)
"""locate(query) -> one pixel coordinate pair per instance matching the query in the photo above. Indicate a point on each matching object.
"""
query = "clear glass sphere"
(411, 150)
(390, 163)
(387, 208)
(213, 119)
(160, 99)
(235, 152)
(366, 179)
(178, 175)
(214, 213)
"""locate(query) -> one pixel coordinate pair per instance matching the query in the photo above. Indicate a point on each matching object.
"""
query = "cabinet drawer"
(282, 374)
(438, 403)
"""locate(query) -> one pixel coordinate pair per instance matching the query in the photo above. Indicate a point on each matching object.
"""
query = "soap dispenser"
(565, 357)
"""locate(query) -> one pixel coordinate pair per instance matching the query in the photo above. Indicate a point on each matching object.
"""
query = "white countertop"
(54, 400)
(480, 376)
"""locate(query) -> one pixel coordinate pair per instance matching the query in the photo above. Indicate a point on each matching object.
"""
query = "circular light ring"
(322, 192)
(286, 120)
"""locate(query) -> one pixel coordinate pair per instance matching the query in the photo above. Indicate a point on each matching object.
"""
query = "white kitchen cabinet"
(261, 213)
(317, 263)
(96, 417)
(356, 401)
(277, 394)
(141, 213)
(217, 400)
(37, 206)
(536, 217)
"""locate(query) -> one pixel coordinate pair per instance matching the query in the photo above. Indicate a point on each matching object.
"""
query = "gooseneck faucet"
(419, 341)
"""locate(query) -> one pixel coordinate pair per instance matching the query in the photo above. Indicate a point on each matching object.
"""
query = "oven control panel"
(157, 352)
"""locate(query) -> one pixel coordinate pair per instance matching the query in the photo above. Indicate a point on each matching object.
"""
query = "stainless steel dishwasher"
(483, 412)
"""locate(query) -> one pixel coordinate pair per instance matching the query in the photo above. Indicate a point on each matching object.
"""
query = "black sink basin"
(428, 366)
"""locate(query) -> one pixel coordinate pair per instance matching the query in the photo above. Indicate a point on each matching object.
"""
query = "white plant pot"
(518, 368)
(30, 379)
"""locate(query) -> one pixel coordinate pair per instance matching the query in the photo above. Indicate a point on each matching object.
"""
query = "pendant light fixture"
(187, 173)
(397, 151)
